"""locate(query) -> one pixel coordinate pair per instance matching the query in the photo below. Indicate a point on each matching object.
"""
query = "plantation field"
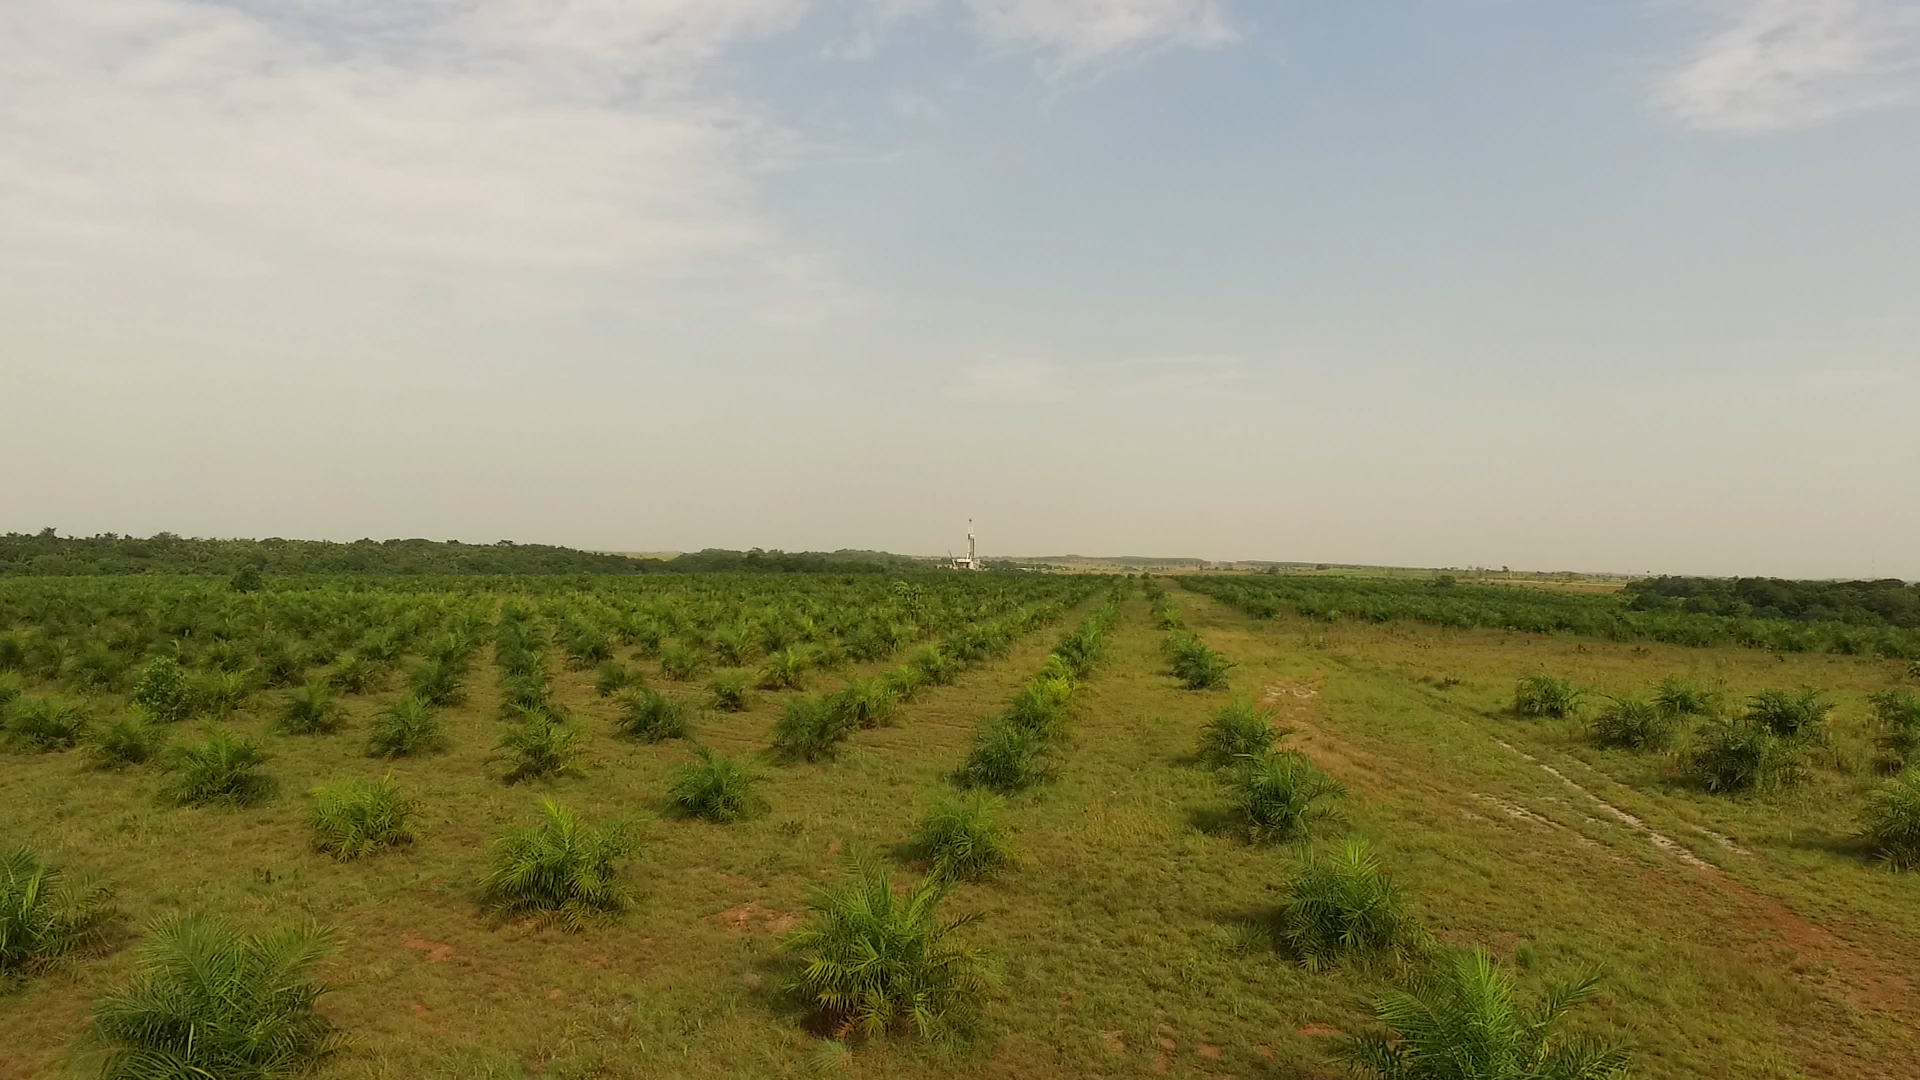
(1137, 931)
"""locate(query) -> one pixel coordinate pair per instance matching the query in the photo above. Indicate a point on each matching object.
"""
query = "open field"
(1738, 936)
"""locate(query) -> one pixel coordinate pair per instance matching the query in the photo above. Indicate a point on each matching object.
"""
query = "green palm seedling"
(279, 664)
(1890, 821)
(224, 769)
(1040, 706)
(808, 730)
(163, 690)
(1789, 715)
(354, 673)
(651, 716)
(1196, 664)
(1633, 724)
(587, 646)
(1238, 730)
(45, 915)
(43, 725)
(407, 728)
(874, 961)
(1343, 904)
(437, 681)
(964, 837)
(863, 703)
(937, 667)
(729, 691)
(1739, 755)
(1678, 697)
(1281, 796)
(679, 662)
(311, 710)
(1545, 696)
(207, 1000)
(1464, 1023)
(354, 817)
(133, 738)
(560, 871)
(1898, 714)
(223, 693)
(540, 746)
(716, 788)
(613, 677)
(784, 670)
(1005, 758)
(527, 690)
(733, 645)
(10, 690)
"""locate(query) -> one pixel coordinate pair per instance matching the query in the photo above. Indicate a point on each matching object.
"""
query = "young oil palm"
(46, 915)
(1344, 903)
(352, 817)
(1281, 796)
(963, 836)
(560, 870)
(406, 728)
(651, 716)
(719, 789)
(1238, 730)
(222, 769)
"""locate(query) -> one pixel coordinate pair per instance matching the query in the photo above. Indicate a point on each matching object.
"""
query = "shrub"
(1677, 697)
(1545, 696)
(42, 725)
(437, 681)
(1633, 724)
(1282, 795)
(679, 662)
(1343, 903)
(162, 690)
(134, 738)
(651, 716)
(808, 731)
(560, 871)
(1789, 715)
(207, 1000)
(1196, 664)
(223, 769)
(613, 677)
(1741, 755)
(729, 690)
(310, 710)
(1006, 758)
(406, 728)
(862, 703)
(964, 837)
(1238, 730)
(541, 745)
(1890, 821)
(1898, 713)
(874, 961)
(716, 788)
(1464, 1023)
(45, 915)
(353, 817)
(784, 670)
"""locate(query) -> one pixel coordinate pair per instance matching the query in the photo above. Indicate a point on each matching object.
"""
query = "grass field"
(1738, 936)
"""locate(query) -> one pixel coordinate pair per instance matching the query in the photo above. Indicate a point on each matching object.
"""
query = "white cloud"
(1080, 33)
(1778, 64)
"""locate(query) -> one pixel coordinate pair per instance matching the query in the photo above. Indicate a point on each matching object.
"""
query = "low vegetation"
(560, 871)
(717, 788)
(1282, 796)
(354, 817)
(651, 716)
(223, 768)
(46, 915)
(1343, 904)
(1238, 730)
(1543, 696)
(964, 836)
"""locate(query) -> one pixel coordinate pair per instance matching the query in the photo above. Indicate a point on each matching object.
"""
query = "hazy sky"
(1613, 284)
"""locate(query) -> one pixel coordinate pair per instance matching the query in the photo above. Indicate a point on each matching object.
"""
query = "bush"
(729, 690)
(651, 716)
(874, 961)
(1741, 755)
(1196, 664)
(1342, 904)
(560, 870)
(613, 677)
(1545, 696)
(45, 915)
(354, 817)
(1890, 821)
(1464, 1023)
(541, 745)
(134, 738)
(716, 788)
(1677, 697)
(223, 769)
(964, 837)
(1633, 724)
(862, 703)
(1238, 730)
(437, 681)
(163, 691)
(1006, 758)
(311, 710)
(808, 731)
(42, 725)
(1282, 795)
(1898, 714)
(406, 728)
(207, 1000)
(1789, 715)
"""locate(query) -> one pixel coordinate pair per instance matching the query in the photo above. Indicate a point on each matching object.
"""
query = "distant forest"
(1888, 602)
(45, 554)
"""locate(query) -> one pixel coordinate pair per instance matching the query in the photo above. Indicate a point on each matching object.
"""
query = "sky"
(1615, 286)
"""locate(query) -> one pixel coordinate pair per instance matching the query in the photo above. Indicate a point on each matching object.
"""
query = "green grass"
(561, 870)
(353, 818)
(719, 789)
(208, 1000)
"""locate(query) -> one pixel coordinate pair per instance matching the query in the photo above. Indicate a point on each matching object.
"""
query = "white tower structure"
(972, 560)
